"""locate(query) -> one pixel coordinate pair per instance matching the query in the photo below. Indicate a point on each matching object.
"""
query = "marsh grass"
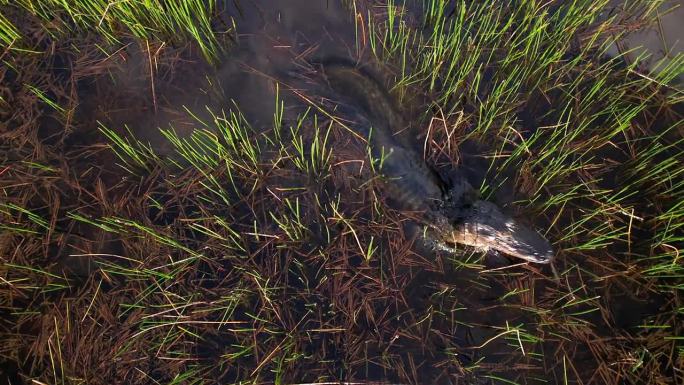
(241, 219)
(488, 68)
(268, 255)
(8, 32)
(174, 21)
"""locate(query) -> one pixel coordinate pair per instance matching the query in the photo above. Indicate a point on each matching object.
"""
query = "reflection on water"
(654, 45)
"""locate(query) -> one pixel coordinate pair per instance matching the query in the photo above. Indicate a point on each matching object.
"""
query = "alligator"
(451, 212)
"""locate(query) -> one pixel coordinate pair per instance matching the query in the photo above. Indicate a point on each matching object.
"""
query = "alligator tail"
(361, 87)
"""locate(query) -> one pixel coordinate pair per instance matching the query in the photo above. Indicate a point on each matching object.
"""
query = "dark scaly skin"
(401, 163)
(452, 216)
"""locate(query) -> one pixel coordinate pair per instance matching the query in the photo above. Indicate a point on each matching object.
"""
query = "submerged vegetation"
(248, 252)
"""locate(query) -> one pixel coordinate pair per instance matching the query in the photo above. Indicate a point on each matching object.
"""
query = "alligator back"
(411, 183)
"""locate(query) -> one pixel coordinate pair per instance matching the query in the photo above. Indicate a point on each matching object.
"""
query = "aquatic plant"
(268, 254)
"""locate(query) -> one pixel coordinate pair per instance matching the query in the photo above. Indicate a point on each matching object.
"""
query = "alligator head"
(485, 227)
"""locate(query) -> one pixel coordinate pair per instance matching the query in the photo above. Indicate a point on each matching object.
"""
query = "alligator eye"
(510, 225)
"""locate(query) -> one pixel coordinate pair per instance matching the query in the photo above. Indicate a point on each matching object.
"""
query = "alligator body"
(451, 214)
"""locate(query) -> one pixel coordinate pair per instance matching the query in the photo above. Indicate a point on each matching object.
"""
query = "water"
(408, 316)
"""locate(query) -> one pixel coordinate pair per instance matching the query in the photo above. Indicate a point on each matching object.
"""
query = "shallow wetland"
(185, 198)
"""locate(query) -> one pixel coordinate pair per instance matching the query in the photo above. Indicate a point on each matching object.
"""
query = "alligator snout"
(486, 227)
